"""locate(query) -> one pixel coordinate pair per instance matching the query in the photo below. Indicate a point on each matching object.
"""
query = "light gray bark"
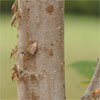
(41, 50)
(94, 84)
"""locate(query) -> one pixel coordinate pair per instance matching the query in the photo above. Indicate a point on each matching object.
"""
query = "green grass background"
(81, 46)
(81, 50)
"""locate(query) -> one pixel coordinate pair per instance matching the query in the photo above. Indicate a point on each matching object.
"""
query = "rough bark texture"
(94, 84)
(41, 50)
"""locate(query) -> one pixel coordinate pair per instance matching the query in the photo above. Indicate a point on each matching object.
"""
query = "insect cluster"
(15, 11)
(15, 67)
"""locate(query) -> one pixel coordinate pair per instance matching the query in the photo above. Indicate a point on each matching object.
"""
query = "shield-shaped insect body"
(32, 48)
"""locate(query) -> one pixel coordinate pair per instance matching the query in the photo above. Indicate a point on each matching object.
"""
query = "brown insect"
(59, 27)
(13, 52)
(96, 93)
(15, 6)
(50, 9)
(32, 48)
(14, 18)
(15, 73)
(46, 71)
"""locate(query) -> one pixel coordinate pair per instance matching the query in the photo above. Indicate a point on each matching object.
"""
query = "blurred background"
(81, 47)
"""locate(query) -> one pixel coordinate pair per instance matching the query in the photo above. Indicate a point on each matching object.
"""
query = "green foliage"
(7, 41)
(82, 7)
(5, 6)
(85, 68)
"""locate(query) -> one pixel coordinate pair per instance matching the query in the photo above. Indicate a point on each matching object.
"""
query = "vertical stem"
(41, 50)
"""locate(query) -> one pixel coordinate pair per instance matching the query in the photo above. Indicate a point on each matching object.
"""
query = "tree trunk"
(94, 84)
(40, 60)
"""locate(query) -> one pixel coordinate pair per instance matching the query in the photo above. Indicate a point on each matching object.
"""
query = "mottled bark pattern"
(41, 73)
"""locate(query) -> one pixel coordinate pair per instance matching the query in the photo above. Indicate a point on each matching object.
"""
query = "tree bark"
(94, 84)
(40, 60)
